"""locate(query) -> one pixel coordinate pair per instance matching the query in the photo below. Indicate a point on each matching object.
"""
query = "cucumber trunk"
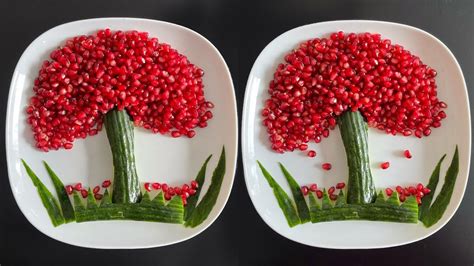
(126, 186)
(360, 187)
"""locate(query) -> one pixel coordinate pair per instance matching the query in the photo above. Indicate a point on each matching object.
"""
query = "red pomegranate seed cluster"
(319, 193)
(185, 191)
(419, 191)
(84, 192)
(90, 75)
(325, 77)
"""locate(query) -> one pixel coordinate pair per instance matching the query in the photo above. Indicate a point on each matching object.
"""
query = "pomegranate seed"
(426, 191)
(418, 200)
(331, 190)
(194, 184)
(399, 189)
(304, 190)
(78, 187)
(177, 190)
(333, 196)
(192, 191)
(96, 189)
(326, 166)
(185, 187)
(164, 187)
(420, 194)
(419, 187)
(171, 191)
(340, 185)
(311, 153)
(385, 165)
(69, 189)
(304, 147)
(412, 190)
(407, 154)
(402, 197)
(388, 191)
(313, 187)
(319, 194)
(156, 186)
(147, 186)
(84, 193)
(168, 196)
(98, 196)
(184, 200)
(106, 183)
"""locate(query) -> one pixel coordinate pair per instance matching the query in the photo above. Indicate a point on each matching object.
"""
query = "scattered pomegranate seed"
(313, 187)
(69, 189)
(418, 200)
(407, 154)
(319, 194)
(412, 190)
(106, 183)
(78, 187)
(402, 197)
(96, 189)
(184, 200)
(419, 194)
(426, 191)
(385, 165)
(192, 191)
(333, 196)
(331, 190)
(194, 184)
(177, 190)
(340, 185)
(399, 189)
(419, 187)
(326, 166)
(98, 196)
(84, 193)
(147, 186)
(304, 147)
(311, 153)
(171, 191)
(168, 196)
(156, 186)
(90, 75)
(304, 190)
(324, 77)
(185, 187)
(388, 191)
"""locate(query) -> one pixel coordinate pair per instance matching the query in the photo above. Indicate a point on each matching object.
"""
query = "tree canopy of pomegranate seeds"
(90, 75)
(323, 78)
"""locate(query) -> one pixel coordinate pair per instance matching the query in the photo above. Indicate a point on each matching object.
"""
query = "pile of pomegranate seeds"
(325, 77)
(90, 75)
(319, 193)
(185, 191)
(419, 191)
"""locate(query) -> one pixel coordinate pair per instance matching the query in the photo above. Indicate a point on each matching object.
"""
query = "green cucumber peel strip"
(301, 206)
(63, 197)
(192, 201)
(202, 210)
(436, 211)
(432, 185)
(284, 201)
(48, 200)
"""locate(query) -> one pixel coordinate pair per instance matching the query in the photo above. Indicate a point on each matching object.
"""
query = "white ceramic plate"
(456, 129)
(159, 158)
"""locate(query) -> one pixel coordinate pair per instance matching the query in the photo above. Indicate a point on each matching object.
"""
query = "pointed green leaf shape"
(284, 201)
(202, 210)
(106, 200)
(432, 185)
(192, 201)
(64, 202)
(441, 202)
(394, 200)
(341, 199)
(49, 202)
(159, 199)
(91, 202)
(326, 202)
(78, 205)
(313, 205)
(380, 198)
(145, 198)
(176, 201)
(301, 206)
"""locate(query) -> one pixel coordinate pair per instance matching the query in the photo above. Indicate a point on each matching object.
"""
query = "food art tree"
(119, 80)
(352, 81)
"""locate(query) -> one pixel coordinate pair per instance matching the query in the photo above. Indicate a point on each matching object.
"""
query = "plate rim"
(247, 164)
(8, 127)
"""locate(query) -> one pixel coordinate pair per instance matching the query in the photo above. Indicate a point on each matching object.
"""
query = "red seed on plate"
(340, 185)
(69, 189)
(191, 191)
(418, 200)
(147, 186)
(331, 190)
(420, 194)
(313, 187)
(171, 191)
(78, 187)
(399, 189)
(106, 183)
(319, 194)
(164, 187)
(426, 191)
(333, 196)
(167, 196)
(156, 186)
(184, 200)
(84, 193)
(185, 187)
(326, 166)
(402, 197)
(98, 196)
(388, 191)
(419, 187)
(194, 184)
(407, 154)
(412, 190)
(311, 153)
(304, 190)
(96, 189)
(385, 165)
(177, 190)
(303, 147)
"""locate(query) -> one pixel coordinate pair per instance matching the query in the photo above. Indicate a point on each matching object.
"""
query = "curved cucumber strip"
(301, 206)
(66, 206)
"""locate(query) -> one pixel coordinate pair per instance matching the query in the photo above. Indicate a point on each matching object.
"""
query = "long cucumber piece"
(66, 206)
(126, 186)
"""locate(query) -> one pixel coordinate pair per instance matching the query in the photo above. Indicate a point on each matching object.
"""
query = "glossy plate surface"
(159, 158)
(455, 129)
